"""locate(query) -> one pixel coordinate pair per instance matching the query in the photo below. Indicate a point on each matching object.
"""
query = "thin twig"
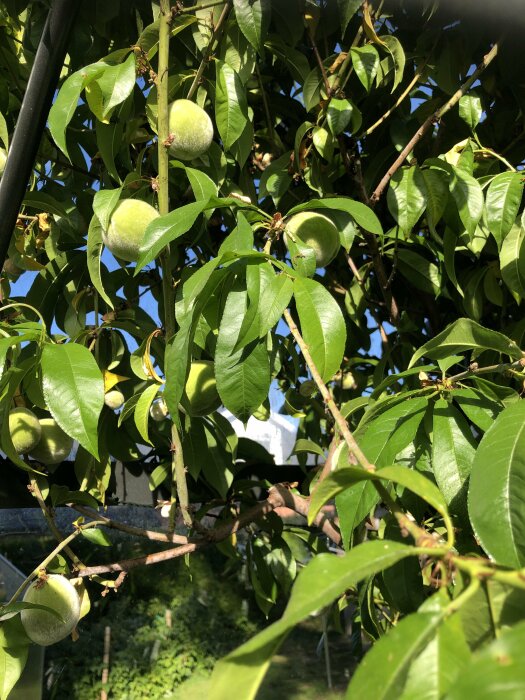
(35, 490)
(421, 536)
(131, 529)
(329, 401)
(402, 96)
(433, 119)
(209, 50)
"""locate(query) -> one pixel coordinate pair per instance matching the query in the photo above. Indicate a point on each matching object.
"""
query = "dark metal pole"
(32, 118)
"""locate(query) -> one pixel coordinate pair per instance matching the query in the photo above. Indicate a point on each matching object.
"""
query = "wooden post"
(105, 662)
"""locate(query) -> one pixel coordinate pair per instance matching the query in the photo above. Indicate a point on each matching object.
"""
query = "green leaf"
(323, 579)
(339, 115)
(395, 49)
(365, 60)
(109, 142)
(141, 413)
(115, 84)
(322, 325)
(94, 250)
(97, 536)
(496, 671)
(503, 201)
(166, 229)
(4, 133)
(470, 110)
(240, 238)
(41, 201)
(104, 202)
(479, 409)
(303, 445)
(74, 391)
(512, 261)
(453, 450)
(496, 494)
(422, 273)
(268, 295)
(276, 179)
(406, 197)
(436, 188)
(363, 215)
(12, 663)
(347, 9)
(296, 61)
(345, 477)
(468, 195)
(243, 376)
(382, 673)
(437, 667)
(462, 335)
(391, 430)
(253, 18)
(231, 108)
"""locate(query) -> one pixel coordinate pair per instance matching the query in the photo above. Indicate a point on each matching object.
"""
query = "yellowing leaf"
(111, 379)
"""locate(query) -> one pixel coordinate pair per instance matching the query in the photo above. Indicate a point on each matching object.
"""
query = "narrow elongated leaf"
(243, 376)
(383, 671)
(512, 260)
(94, 249)
(231, 109)
(116, 83)
(73, 388)
(323, 579)
(253, 18)
(498, 670)
(420, 271)
(468, 195)
(42, 201)
(322, 325)
(453, 450)
(347, 9)
(365, 60)
(437, 667)
(395, 49)
(406, 197)
(12, 663)
(496, 497)
(168, 228)
(465, 334)
(363, 215)
(141, 413)
(436, 189)
(470, 109)
(344, 478)
(504, 196)
(382, 438)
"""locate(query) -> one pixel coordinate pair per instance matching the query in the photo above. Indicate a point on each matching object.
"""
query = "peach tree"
(321, 199)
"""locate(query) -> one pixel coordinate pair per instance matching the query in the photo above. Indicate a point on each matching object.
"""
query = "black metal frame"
(33, 114)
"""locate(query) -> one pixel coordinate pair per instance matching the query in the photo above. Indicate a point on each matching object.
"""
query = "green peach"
(114, 399)
(201, 389)
(316, 231)
(25, 430)
(56, 592)
(158, 410)
(126, 228)
(54, 446)
(190, 128)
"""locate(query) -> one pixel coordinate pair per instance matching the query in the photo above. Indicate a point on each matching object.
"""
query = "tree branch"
(209, 49)
(433, 119)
